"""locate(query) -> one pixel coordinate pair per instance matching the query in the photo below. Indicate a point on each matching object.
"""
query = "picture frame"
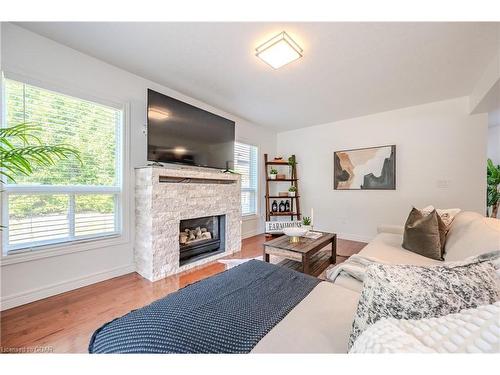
(368, 168)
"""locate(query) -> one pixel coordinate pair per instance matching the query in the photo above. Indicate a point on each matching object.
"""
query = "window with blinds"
(245, 163)
(70, 200)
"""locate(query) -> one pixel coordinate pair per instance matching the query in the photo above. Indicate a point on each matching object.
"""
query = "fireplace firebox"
(201, 237)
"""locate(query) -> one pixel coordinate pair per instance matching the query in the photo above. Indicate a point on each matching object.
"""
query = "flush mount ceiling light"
(279, 51)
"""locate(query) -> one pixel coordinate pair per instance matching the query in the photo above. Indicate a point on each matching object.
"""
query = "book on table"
(313, 235)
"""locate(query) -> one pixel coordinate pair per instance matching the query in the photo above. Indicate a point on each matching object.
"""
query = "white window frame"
(42, 249)
(250, 216)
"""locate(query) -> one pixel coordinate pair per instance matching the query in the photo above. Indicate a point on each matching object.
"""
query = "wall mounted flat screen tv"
(181, 133)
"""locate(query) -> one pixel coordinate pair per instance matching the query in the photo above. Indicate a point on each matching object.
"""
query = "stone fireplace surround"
(163, 197)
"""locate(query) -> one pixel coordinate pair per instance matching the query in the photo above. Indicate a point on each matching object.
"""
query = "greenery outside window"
(245, 163)
(71, 200)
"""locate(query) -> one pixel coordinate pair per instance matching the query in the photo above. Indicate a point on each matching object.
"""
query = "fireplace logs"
(197, 234)
(201, 237)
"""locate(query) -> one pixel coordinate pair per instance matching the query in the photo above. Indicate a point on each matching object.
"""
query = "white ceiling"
(348, 69)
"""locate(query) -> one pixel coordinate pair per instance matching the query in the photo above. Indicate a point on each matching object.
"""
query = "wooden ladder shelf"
(294, 212)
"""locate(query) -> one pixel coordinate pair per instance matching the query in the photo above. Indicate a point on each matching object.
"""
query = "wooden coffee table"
(306, 251)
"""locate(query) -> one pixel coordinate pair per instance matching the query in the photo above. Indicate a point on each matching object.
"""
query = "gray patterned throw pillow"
(413, 292)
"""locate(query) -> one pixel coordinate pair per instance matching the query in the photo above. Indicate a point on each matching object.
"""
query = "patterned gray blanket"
(226, 313)
(357, 265)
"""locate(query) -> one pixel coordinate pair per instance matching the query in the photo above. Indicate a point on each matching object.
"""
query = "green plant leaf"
(20, 160)
(492, 181)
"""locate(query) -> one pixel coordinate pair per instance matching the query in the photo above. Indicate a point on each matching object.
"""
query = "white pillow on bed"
(470, 331)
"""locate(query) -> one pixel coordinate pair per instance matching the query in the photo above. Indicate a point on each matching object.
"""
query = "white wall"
(46, 62)
(265, 140)
(485, 95)
(494, 144)
(438, 144)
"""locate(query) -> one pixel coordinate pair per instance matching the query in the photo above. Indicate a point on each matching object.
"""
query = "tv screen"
(181, 133)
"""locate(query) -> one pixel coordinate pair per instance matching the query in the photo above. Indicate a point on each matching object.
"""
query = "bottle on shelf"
(282, 206)
(287, 206)
(274, 206)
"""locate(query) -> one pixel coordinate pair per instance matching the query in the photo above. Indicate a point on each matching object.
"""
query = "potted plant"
(273, 173)
(306, 223)
(492, 193)
(292, 190)
(21, 151)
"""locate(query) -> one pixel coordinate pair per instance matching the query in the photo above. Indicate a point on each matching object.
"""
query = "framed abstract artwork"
(372, 168)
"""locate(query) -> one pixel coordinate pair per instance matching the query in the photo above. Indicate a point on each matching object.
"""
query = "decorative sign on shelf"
(278, 226)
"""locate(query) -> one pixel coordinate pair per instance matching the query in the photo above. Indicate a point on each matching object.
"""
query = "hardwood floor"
(64, 323)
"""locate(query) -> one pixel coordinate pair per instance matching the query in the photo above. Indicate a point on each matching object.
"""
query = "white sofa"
(321, 323)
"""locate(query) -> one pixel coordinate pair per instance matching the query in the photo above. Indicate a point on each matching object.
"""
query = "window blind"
(245, 157)
(70, 200)
(89, 127)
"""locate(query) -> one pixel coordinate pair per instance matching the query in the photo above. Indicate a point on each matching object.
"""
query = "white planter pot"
(291, 193)
(308, 227)
(272, 176)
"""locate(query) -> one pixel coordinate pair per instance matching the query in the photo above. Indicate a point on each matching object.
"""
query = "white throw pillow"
(471, 234)
(446, 214)
(470, 331)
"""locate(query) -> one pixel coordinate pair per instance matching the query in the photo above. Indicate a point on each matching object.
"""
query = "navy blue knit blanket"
(226, 313)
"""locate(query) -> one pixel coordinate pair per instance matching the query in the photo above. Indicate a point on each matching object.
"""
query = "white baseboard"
(250, 233)
(354, 237)
(8, 302)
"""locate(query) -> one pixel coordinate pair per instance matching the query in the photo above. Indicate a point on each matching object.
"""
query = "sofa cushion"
(424, 234)
(320, 323)
(387, 248)
(412, 292)
(471, 234)
(445, 218)
(388, 228)
(446, 214)
(421, 234)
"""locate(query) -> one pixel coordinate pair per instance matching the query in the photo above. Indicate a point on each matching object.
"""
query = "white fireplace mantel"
(164, 196)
